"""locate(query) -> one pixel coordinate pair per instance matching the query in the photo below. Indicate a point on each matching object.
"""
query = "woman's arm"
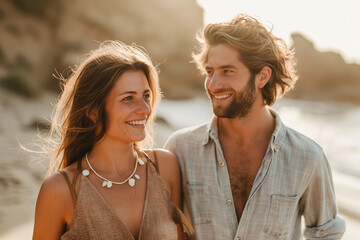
(51, 208)
(170, 173)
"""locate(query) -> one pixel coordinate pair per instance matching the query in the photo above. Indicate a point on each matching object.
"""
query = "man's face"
(229, 83)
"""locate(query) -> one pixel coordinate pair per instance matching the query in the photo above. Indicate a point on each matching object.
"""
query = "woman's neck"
(107, 157)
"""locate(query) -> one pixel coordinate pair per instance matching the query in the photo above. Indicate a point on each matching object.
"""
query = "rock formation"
(39, 38)
(324, 76)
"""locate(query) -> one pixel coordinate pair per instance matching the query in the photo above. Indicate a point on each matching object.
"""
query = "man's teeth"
(222, 96)
(137, 122)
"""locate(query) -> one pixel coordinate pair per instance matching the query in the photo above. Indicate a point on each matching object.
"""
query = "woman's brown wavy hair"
(257, 48)
(72, 132)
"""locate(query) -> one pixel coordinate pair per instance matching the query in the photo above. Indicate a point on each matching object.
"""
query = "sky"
(332, 25)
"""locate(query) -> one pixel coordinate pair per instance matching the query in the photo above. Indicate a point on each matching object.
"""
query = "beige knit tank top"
(94, 218)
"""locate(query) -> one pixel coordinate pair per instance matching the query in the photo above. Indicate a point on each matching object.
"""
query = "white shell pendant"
(131, 182)
(109, 184)
(141, 162)
(104, 183)
(85, 172)
(137, 176)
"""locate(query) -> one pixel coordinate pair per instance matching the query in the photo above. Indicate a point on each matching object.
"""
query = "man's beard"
(240, 105)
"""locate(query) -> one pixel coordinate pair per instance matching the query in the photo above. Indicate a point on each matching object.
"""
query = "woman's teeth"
(137, 122)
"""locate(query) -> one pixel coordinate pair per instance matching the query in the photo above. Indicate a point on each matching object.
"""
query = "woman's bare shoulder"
(165, 158)
(167, 162)
(55, 186)
(54, 206)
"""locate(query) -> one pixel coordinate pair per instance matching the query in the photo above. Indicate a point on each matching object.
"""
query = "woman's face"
(128, 107)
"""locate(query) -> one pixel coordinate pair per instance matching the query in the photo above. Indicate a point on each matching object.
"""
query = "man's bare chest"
(242, 168)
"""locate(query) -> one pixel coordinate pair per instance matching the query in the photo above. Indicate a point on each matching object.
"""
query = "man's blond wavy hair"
(257, 48)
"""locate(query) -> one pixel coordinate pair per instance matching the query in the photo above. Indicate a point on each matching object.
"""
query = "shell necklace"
(108, 183)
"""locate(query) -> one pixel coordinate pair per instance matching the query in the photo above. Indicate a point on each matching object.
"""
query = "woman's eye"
(147, 96)
(127, 98)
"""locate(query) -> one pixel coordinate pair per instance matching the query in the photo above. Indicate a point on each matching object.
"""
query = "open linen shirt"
(294, 180)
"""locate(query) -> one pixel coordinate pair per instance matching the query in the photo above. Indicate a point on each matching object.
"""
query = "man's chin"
(220, 112)
(224, 116)
(226, 113)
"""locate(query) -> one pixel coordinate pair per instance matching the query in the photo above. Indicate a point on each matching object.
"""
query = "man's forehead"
(222, 55)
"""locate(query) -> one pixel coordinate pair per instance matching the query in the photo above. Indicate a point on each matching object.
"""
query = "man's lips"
(222, 96)
(218, 97)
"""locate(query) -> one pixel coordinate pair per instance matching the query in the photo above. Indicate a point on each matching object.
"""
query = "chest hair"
(243, 165)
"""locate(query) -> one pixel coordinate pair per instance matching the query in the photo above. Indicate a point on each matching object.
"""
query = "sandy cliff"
(38, 40)
(324, 76)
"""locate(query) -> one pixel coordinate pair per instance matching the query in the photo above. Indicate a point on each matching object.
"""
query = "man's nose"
(213, 83)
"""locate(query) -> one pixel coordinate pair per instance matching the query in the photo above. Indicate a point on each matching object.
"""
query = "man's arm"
(319, 205)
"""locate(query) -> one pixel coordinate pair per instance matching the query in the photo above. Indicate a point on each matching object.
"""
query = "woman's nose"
(144, 107)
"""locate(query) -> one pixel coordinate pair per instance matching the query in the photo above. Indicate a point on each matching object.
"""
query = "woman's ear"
(263, 77)
(92, 114)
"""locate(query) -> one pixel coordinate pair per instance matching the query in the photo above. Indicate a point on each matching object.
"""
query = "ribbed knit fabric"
(94, 218)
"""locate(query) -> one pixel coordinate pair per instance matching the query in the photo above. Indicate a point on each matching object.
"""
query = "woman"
(107, 186)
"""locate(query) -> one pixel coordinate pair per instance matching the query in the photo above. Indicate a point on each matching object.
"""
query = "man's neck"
(258, 124)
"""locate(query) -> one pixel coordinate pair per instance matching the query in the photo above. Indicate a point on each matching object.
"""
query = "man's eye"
(228, 71)
(209, 73)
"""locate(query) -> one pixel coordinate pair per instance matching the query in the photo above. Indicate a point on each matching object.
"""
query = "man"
(245, 174)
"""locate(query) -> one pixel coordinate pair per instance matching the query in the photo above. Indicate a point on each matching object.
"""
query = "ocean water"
(334, 126)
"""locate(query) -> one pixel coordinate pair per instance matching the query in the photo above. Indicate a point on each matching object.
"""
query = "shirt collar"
(211, 130)
(278, 135)
(276, 140)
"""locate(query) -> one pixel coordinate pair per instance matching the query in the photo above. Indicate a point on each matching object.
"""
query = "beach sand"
(21, 172)
(20, 177)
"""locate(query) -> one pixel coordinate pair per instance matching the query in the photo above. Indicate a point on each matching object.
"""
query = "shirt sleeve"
(319, 205)
(170, 144)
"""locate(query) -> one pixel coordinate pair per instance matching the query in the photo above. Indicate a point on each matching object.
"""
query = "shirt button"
(221, 164)
(229, 202)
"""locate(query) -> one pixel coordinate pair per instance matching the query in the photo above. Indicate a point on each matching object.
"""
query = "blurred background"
(40, 38)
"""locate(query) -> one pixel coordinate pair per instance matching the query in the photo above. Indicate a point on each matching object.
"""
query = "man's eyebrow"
(227, 66)
(222, 67)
